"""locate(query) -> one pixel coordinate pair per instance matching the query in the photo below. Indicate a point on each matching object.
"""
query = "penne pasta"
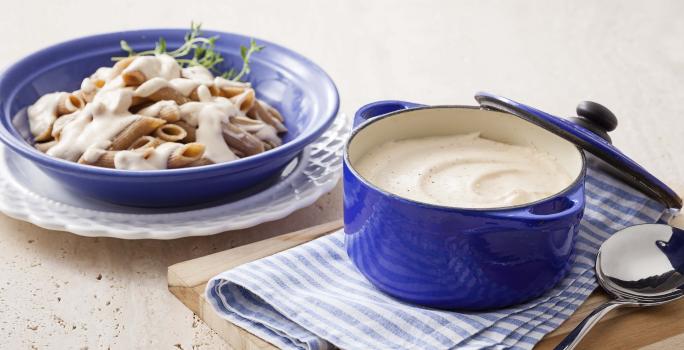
(154, 111)
(185, 155)
(245, 100)
(168, 93)
(170, 133)
(119, 67)
(190, 131)
(228, 88)
(167, 110)
(242, 141)
(59, 124)
(200, 162)
(140, 127)
(262, 111)
(69, 103)
(133, 78)
(144, 142)
(107, 159)
(45, 146)
(247, 124)
(195, 96)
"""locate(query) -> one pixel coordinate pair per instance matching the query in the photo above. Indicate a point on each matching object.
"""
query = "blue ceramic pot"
(298, 88)
(449, 257)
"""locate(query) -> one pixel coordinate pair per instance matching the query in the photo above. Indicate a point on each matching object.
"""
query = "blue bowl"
(298, 88)
(449, 257)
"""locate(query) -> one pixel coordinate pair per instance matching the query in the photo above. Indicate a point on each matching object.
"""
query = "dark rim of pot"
(368, 122)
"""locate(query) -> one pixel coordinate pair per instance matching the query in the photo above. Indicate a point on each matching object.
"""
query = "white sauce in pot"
(464, 171)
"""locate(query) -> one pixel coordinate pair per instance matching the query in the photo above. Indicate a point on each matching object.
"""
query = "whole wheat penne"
(147, 112)
(45, 146)
(119, 67)
(246, 123)
(168, 93)
(69, 103)
(140, 127)
(190, 131)
(237, 152)
(138, 100)
(228, 88)
(106, 158)
(145, 142)
(273, 112)
(170, 132)
(167, 110)
(245, 100)
(261, 111)
(89, 88)
(185, 155)
(133, 78)
(241, 140)
(194, 94)
(200, 162)
(59, 124)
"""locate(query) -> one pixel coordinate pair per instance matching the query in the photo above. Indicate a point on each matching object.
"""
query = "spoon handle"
(574, 337)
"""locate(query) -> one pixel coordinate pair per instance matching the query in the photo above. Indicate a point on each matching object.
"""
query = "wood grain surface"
(629, 328)
(59, 290)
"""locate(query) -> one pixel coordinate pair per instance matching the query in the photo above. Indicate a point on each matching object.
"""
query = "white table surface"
(63, 291)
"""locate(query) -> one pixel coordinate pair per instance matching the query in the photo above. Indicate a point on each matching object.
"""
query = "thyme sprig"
(198, 51)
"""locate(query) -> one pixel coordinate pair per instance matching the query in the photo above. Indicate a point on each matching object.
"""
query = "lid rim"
(638, 177)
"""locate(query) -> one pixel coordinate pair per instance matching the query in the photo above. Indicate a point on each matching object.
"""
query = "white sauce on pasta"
(463, 171)
(99, 121)
(208, 115)
(160, 66)
(87, 134)
(43, 113)
(197, 73)
(154, 159)
(154, 109)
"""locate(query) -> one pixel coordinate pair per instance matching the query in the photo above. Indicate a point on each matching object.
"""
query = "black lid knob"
(596, 118)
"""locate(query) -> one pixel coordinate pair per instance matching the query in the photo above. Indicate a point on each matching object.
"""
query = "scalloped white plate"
(28, 194)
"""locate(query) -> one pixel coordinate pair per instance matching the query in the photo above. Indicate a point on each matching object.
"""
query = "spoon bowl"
(638, 266)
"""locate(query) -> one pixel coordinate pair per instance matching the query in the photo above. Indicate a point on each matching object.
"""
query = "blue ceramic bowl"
(449, 257)
(298, 88)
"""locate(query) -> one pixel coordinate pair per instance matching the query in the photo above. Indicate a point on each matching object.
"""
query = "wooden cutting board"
(650, 328)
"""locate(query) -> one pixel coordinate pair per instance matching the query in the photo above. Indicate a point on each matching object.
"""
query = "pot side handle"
(558, 207)
(379, 108)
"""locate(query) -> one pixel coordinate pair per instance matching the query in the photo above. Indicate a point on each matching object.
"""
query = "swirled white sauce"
(465, 171)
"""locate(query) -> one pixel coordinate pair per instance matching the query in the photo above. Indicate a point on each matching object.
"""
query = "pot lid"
(590, 131)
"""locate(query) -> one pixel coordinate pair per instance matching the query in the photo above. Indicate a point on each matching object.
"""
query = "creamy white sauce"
(464, 171)
(184, 86)
(95, 151)
(101, 120)
(43, 113)
(160, 66)
(154, 109)
(199, 74)
(223, 82)
(151, 86)
(87, 133)
(148, 159)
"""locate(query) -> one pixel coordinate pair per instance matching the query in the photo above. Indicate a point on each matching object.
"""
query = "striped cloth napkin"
(312, 296)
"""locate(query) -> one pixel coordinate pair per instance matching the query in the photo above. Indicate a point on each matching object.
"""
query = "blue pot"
(447, 257)
(298, 88)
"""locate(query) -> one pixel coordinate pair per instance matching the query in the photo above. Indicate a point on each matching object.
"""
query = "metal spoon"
(641, 265)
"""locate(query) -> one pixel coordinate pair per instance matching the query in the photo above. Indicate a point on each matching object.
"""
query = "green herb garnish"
(198, 51)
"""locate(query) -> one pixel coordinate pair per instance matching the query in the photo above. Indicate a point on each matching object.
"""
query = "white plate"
(26, 193)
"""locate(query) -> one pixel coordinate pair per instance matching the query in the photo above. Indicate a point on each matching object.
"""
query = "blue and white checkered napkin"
(312, 297)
